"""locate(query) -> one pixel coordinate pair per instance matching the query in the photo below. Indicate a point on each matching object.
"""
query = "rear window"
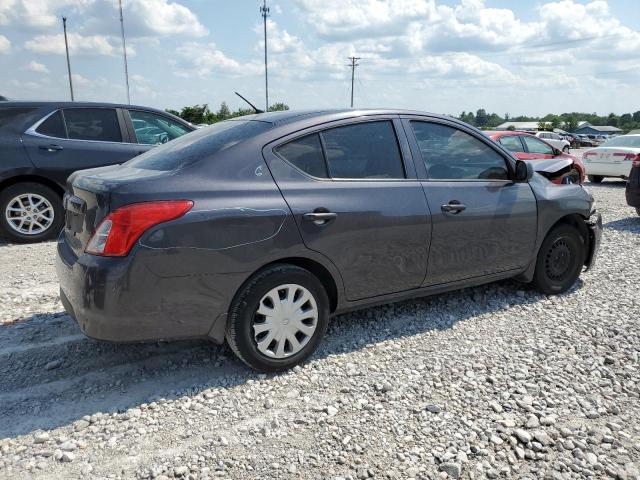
(623, 141)
(196, 145)
(306, 154)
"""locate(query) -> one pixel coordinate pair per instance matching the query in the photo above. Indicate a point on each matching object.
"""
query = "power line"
(264, 11)
(353, 66)
(66, 46)
(124, 53)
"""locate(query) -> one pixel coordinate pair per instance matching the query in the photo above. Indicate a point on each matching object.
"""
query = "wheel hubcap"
(29, 214)
(558, 260)
(285, 321)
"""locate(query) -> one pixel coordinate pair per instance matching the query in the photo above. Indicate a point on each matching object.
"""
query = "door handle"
(320, 218)
(453, 206)
(50, 148)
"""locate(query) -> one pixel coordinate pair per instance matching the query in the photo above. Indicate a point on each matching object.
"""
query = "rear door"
(76, 138)
(483, 222)
(353, 191)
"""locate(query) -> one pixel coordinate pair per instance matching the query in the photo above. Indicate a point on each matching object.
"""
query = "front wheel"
(566, 149)
(560, 260)
(595, 178)
(278, 318)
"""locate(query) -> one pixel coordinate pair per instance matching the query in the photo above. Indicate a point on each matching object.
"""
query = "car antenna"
(257, 110)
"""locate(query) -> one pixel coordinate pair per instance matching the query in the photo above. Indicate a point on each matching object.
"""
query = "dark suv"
(42, 143)
(257, 229)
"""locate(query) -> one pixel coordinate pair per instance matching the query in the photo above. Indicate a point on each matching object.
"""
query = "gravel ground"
(490, 382)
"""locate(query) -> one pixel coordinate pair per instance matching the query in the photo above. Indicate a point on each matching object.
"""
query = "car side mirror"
(524, 171)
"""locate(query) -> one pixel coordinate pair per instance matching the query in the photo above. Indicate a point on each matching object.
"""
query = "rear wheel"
(278, 318)
(566, 149)
(595, 178)
(30, 212)
(560, 260)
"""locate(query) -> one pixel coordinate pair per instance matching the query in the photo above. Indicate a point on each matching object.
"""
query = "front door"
(356, 199)
(483, 222)
(77, 138)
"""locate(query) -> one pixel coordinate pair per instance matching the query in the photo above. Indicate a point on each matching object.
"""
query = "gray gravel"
(490, 382)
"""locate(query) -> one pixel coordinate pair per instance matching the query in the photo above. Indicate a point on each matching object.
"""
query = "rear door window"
(97, 124)
(53, 126)
(306, 154)
(363, 150)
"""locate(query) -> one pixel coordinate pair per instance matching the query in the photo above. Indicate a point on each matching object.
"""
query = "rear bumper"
(594, 224)
(121, 300)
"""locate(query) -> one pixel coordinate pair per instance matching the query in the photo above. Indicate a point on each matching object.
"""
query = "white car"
(613, 158)
(554, 140)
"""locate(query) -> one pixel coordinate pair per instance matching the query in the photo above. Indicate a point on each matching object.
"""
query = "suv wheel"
(560, 260)
(30, 212)
(595, 178)
(566, 149)
(278, 318)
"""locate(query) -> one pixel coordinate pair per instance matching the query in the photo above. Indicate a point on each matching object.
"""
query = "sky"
(521, 57)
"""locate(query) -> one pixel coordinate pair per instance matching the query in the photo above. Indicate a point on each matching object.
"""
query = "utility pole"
(264, 11)
(66, 46)
(353, 65)
(124, 52)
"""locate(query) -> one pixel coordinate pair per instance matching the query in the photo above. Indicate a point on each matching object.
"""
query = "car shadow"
(629, 224)
(51, 375)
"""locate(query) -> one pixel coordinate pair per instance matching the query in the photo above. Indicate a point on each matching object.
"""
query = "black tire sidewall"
(239, 327)
(595, 178)
(566, 149)
(21, 188)
(578, 253)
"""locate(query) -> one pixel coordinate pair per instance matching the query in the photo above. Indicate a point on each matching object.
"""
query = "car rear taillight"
(117, 233)
(627, 156)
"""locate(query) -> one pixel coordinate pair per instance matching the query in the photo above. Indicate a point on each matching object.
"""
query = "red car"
(525, 146)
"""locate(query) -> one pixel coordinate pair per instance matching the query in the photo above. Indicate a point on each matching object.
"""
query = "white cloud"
(78, 44)
(161, 17)
(5, 44)
(206, 59)
(36, 67)
(80, 81)
(38, 13)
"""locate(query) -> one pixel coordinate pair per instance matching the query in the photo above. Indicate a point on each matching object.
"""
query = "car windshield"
(194, 146)
(624, 141)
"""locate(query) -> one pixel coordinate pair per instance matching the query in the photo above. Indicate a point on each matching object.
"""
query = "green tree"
(278, 107)
(571, 124)
(544, 126)
(223, 112)
(482, 120)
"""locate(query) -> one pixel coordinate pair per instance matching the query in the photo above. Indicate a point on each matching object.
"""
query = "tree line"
(565, 121)
(201, 114)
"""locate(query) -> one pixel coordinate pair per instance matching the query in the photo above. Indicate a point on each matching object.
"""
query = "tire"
(244, 318)
(638, 210)
(50, 214)
(566, 149)
(560, 260)
(595, 178)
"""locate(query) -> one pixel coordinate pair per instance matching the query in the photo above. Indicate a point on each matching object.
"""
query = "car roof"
(66, 104)
(289, 116)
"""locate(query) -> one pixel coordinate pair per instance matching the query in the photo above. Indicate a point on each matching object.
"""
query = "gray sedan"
(258, 229)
